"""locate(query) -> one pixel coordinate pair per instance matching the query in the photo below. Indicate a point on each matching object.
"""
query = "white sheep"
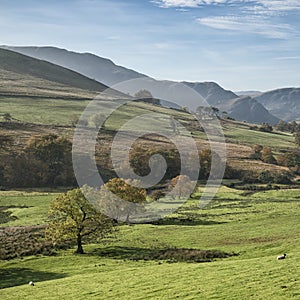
(31, 283)
(281, 256)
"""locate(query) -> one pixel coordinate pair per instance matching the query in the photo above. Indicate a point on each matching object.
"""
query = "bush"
(157, 194)
(265, 177)
(265, 127)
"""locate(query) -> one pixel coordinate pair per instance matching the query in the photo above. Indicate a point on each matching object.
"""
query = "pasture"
(256, 226)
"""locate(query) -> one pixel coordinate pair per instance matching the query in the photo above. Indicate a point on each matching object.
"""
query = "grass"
(43, 110)
(239, 132)
(258, 226)
(27, 208)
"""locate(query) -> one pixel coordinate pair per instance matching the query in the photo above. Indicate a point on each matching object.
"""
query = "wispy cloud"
(287, 58)
(250, 16)
(188, 3)
(273, 7)
(250, 24)
(280, 5)
(259, 5)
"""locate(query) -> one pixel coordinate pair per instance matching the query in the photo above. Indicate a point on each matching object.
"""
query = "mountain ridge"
(283, 102)
(105, 71)
(86, 63)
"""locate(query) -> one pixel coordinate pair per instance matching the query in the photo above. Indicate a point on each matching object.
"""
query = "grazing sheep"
(281, 256)
(31, 283)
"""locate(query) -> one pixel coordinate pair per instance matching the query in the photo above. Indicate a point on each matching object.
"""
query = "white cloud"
(252, 16)
(273, 7)
(280, 5)
(250, 24)
(188, 3)
(259, 6)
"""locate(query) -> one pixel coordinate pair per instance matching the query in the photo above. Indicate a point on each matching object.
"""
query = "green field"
(257, 226)
(242, 133)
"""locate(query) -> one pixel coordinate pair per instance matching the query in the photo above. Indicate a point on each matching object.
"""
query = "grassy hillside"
(238, 131)
(21, 64)
(257, 226)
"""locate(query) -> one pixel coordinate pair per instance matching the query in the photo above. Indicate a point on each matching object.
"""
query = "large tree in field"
(73, 218)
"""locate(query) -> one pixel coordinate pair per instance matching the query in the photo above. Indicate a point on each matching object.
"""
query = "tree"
(256, 152)
(73, 218)
(282, 126)
(54, 151)
(181, 186)
(265, 127)
(290, 159)
(267, 156)
(125, 190)
(143, 94)
(266, 177)
(139, 161)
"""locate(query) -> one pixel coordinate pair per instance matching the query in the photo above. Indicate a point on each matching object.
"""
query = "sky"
(240, 44)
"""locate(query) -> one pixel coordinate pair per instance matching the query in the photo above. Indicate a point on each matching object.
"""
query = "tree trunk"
(79, 245)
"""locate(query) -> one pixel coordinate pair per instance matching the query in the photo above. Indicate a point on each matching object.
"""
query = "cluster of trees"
(290, 159)
(265, 176)
(146, 96)
(46, 160)
(140, 156)
(204, 112)
(288, 127)
(263, 153)
(292, 127)
(264, 127)
(74, 219)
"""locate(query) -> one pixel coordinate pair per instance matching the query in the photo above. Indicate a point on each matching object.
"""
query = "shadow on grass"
(6, 216)
(185, 221)
(18, 276)
(167, 254)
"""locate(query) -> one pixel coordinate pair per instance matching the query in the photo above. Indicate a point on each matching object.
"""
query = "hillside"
(283, 103)
(16, 63)
(249, 110)
(105, 71)
(87, 64)
(211, 92)
(242, 108)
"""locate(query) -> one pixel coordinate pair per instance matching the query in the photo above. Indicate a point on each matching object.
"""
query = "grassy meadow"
(256, 226)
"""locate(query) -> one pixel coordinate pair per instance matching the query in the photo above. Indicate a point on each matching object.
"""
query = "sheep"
(31, 283)
(281, 256)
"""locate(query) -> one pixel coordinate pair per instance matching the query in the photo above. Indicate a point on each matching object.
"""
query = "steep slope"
(211, 92)
(239, 108)
(283, 103)
(11, 61)
(87, 64)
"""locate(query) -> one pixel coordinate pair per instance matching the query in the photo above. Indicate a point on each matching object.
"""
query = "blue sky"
(240, 44)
